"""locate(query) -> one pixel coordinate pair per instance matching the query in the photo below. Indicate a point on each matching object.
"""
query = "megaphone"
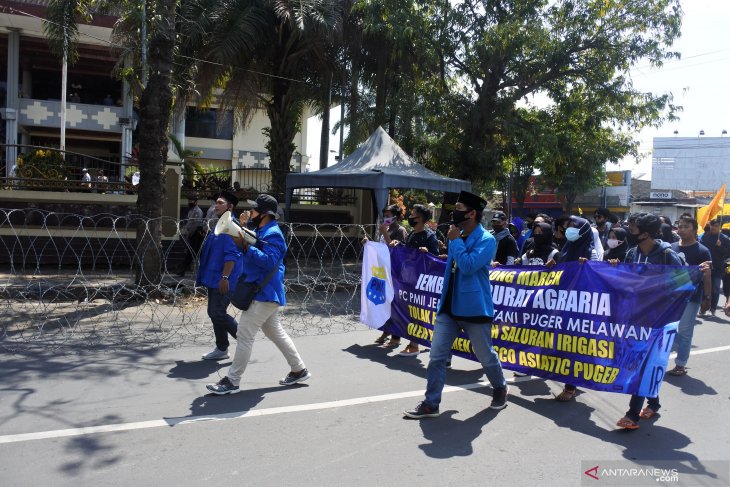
(229, 226)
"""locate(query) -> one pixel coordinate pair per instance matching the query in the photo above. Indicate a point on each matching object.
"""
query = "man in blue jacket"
(220, 268)
(466, 304)
(259, 261)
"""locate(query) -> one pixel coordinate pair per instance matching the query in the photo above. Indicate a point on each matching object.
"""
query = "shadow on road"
(196, 369)
(648, 444)
(230, 406)
(412, 365)
(690, 385)
(452, 437)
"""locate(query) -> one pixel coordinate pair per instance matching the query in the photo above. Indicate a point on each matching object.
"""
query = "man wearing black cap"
(507, 250)
(220, 267)
(263, 263)
(466, 304)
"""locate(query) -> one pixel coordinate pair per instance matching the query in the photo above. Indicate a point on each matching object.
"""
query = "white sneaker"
(216, 354)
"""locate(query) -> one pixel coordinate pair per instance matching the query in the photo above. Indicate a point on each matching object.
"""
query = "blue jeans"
(686, 328)
(223, 323)
(716, 284)
(445, 331)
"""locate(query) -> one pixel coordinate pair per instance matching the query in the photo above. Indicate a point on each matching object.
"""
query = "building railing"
(56, 170)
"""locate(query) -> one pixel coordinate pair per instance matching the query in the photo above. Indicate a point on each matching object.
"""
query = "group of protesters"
(471, 251)
(465, 304)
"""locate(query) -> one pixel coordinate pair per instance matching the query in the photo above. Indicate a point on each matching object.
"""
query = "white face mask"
(613, 243)
(572, 234)
(388, 220)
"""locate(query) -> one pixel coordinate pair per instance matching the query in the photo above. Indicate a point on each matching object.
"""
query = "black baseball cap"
(499, 215)
(266, 205)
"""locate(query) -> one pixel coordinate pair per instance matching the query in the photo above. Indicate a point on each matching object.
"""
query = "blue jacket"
(216, 251)
(259, 260)
(472, 294)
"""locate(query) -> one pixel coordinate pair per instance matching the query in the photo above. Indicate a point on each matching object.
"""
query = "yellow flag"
(707, 213)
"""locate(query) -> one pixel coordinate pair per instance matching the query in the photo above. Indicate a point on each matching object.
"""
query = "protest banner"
(593, 325)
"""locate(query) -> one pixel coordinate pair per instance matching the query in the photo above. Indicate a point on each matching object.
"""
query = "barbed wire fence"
(67, 281)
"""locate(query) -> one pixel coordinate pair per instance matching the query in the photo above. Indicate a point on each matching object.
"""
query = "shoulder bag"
(245, 292)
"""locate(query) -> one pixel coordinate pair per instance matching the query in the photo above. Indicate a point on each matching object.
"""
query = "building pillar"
(11, 106)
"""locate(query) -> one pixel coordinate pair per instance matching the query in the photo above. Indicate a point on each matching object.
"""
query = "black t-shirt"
(507, 247)
(694, 254)
(426, 238)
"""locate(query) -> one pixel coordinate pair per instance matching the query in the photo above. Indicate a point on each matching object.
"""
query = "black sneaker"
(499, 398)
(295, 377)
(423, 410)
(224, 386)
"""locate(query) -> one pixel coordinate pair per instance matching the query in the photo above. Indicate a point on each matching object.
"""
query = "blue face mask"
(572, 234)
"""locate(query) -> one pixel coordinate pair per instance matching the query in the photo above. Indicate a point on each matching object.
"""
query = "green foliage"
(43, 164)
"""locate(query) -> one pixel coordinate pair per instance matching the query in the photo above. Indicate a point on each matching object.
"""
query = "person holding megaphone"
(263, 264)
(221, 264)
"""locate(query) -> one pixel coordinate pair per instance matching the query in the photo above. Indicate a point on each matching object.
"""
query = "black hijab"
(620, 251)
(582, 247)
(543, 245)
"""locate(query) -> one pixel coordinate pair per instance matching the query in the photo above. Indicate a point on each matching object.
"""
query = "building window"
(208, 123)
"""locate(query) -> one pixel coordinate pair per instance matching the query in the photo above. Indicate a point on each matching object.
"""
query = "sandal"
(647, 413)
(627, 424)
(410, 351)
(566, 395)
(678, 370)
(382, 339)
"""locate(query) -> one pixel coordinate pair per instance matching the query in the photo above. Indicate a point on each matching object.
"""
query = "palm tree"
(268, 54)
(155, 107)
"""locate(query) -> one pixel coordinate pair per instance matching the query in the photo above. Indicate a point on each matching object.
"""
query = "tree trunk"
(381, 90)
(284, 115)
(353, 115)
(568, 202)
(155, 107)
(324, 138)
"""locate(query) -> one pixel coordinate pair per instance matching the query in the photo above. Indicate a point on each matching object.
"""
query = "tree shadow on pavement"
(451, 437)
(92, 452)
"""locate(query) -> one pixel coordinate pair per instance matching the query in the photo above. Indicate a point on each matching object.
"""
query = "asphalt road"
(144, 418)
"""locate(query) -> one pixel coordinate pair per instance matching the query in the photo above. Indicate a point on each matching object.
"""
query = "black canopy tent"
(379, 164)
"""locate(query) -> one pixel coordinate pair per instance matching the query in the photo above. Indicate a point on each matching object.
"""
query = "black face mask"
(255, 221)
(412, 222)
(458, 216)
(540, 239)
(498, 227)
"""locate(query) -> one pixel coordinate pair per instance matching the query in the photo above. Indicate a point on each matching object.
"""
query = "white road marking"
(158, 423)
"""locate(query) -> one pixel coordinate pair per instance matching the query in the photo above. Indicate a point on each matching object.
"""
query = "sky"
(699, 82)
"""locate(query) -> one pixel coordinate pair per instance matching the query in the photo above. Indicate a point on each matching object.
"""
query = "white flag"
(376, 293)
